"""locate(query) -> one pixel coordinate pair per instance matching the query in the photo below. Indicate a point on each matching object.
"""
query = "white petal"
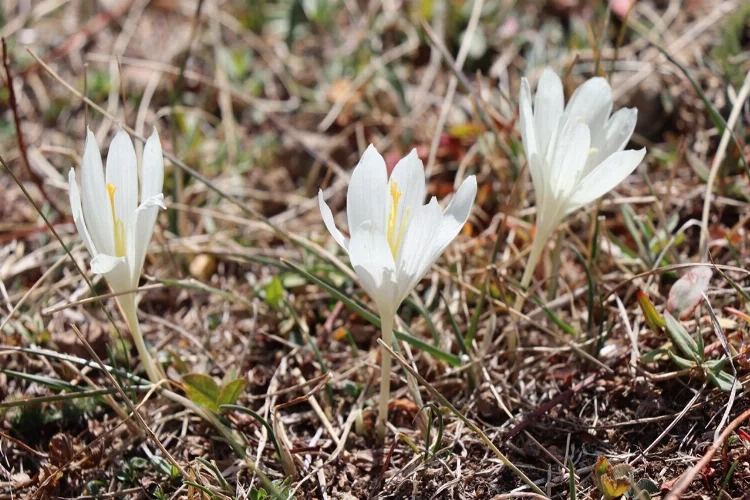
(140, 234)
(115, 270)
(530, 144)
(373, 262)
(549, 103)
(569, 159)
(528, 132)
(366, 196)
(606, 176)
(615, 137)
(152, 171)
(122, 173)
(103, 264)
(77, 212)
(456, 213)
(408, 179)
(325, 212)
(419, 250)
(95, 200)
(592, 103)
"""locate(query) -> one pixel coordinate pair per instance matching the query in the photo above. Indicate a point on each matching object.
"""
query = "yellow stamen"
(394, 234)
(111, 190)
(593, 151)
(119, 229)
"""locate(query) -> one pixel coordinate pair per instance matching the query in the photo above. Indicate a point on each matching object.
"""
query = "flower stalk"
(386, 329)
(129, 312)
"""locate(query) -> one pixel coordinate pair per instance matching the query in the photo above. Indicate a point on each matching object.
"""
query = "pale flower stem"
(538, 245)
(127, 306)
(386, 327)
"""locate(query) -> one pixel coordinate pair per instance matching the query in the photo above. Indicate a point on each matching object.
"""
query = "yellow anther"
(394, 234)
(119, 229)
(593, 151)
(111, 190)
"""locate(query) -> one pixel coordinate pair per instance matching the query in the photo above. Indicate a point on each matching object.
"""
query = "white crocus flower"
(395, 238)
(115, 228)
(575, 152)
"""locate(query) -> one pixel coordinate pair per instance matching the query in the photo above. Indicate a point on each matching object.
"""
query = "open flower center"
(394, 230)
(116, 223)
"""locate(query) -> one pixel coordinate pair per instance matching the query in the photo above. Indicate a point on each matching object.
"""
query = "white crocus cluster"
(575, 152)
(115, 228)
(395, 238)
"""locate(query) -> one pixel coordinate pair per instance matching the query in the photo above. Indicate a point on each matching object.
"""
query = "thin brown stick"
(19, 134)
(690, 474)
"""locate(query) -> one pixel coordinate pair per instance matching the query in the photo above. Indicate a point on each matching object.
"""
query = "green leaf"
(643, 489)
(554, 318)
(202, 389)
(478, 308)
(572, 480)
(716, 365)
(652, 356)
(683, 363)
(256, 494)
(722, 380)
(162, 465)
(260, 419)
(681, 338)
(231, 392)
(274, 292)
(50, 382)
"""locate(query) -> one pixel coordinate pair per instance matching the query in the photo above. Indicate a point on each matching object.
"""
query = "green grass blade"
(260, 420)
(478, 307)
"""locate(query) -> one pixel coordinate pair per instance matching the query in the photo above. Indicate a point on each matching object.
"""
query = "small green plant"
(687, 352)
(282, 486)
(693, 355)
(128, 472)
(204, 390)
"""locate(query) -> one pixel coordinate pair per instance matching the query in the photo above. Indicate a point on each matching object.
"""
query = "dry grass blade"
(471, 425)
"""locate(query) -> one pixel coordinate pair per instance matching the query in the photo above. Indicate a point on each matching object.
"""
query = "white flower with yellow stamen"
(114, 227)
(395, 238)
(575, 152)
